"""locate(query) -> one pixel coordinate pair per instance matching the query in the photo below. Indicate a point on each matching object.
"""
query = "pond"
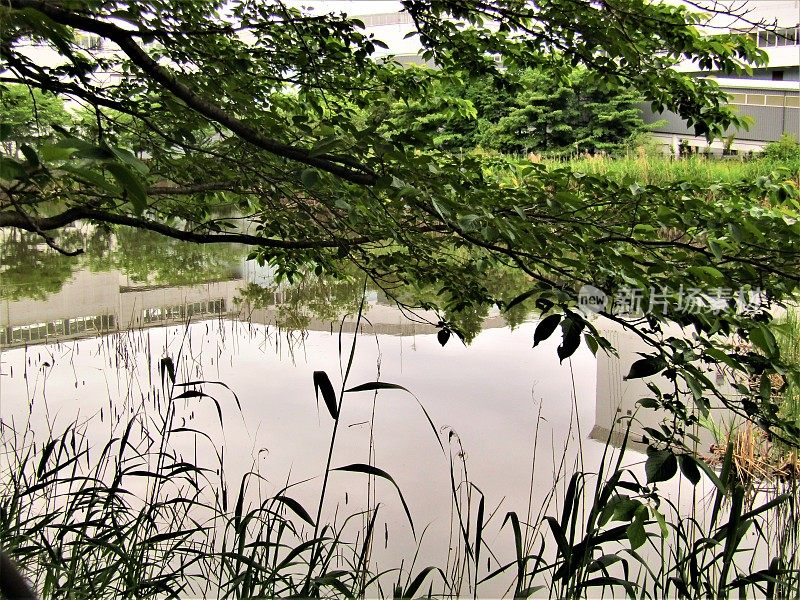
(479, 430)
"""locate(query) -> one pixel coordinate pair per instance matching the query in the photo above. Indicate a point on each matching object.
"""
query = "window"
(777, 76)
(788, 36)
(28, 333)
(151, 314)
(793, 101)
(738, 99)
(774, 100)
(90, 42)
(756, 99)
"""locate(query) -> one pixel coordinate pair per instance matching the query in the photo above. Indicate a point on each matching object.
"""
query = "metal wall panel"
(770, 123)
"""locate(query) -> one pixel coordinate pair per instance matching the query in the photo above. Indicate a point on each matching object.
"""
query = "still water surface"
(87, 348)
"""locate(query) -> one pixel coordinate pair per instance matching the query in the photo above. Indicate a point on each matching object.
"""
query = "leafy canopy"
(200, 105)
(538, 113)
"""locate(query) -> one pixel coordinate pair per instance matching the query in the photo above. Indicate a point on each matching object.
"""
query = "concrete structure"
(617, 405)
(770, 96)
(92, 304)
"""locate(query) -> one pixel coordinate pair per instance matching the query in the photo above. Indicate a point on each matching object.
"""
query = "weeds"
(661, 170)
(140, 516)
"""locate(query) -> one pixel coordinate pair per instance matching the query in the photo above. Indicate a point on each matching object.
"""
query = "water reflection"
(29, 269)
(135, 280)
(84, 343)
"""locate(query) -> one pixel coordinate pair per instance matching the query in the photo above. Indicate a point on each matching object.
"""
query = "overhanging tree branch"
(163, 76)
(37, 225)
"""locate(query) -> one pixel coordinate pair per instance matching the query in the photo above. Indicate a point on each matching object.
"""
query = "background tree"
(27, 116)
(563, 116)
(27, 270)
(525, 111)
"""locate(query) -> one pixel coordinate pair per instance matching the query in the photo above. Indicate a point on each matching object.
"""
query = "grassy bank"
(661, 170)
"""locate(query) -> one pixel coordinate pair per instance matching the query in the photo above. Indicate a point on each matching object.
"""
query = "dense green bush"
(787, 148)
(528, 111)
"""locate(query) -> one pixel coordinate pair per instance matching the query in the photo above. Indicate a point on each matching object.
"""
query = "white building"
(770, 95)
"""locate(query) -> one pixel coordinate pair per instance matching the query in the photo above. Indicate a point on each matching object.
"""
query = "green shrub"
(787, 148)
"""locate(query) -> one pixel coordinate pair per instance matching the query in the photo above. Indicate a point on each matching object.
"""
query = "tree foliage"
(260, 106)
(28, 115)
(528, 111)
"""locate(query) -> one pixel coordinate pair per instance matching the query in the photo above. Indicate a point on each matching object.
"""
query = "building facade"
(769, 96)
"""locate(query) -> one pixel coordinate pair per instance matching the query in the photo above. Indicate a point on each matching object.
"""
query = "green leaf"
(625, 508)
(694, 386)
(30, 155)
(662, 522)
(413, 587)
(370, 470)
(11, 170)
(648, 403)
(376, 385)
(92, 152)
(606, 582)
(689, 468)
(715, 249)
(603, 562)
(325, 145)
(646, 367)
(764, 339)
(75, 144)
(295, 507)
(91, 177)
(521, 298)
(371, 386)
(127, 157)
(591, 342)
(545, 328)
(571, 329)
(167, 367)
(661, 465)
(131, 184)
(322, 384)
(635, 532)
(467, 222)
(53, 152)
(310, 178)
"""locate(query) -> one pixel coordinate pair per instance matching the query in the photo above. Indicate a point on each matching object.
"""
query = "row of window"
(378, 20)
(182, 311)
(782, 36)
(60, 327)
(778, 100)
(36, 332)
(89, 41)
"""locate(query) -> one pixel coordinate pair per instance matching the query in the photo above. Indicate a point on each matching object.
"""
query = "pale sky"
(351, 7)
(787, 12)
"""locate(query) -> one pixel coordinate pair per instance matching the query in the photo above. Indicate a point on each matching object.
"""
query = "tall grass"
(661, 170)
(788, 338)
(140, 517)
